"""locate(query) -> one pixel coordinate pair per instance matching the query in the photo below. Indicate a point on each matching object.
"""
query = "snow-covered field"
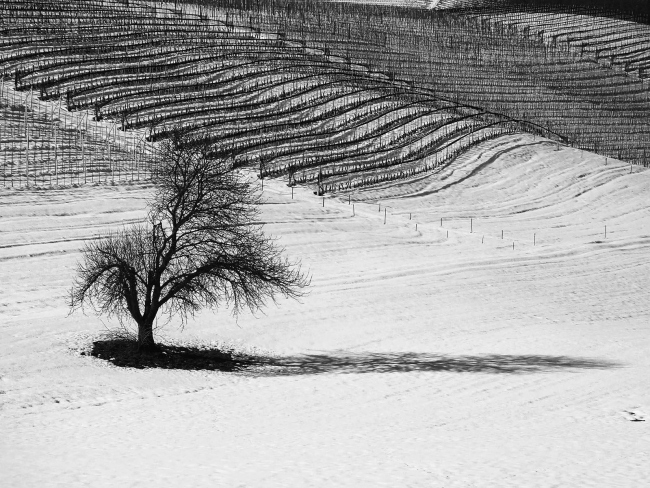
(433, 358)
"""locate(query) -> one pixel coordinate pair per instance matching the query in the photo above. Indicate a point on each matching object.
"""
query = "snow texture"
(436, 358)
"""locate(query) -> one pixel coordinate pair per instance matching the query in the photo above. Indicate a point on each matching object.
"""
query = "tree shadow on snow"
(125, 354)
(424, 362)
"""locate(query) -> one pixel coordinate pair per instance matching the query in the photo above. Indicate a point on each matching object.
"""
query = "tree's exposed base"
(126, 353)
(151, 348)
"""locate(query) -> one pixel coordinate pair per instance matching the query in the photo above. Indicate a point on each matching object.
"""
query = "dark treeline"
(635, 10)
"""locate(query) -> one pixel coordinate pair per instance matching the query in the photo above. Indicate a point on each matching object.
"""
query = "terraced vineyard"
(615, 43)
(44, 145)
(339, 95)
(257, 98)
(476, 57)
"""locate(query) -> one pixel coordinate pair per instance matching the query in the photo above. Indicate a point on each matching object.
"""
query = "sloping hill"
(313, 104)
(476, 57)
(419, 358)
(261, 100)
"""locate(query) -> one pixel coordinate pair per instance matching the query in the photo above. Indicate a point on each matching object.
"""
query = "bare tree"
(199, 247)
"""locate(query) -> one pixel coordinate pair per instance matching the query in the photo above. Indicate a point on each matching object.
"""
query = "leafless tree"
(200, 246)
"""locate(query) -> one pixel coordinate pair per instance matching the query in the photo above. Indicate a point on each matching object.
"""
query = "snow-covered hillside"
(433, 357)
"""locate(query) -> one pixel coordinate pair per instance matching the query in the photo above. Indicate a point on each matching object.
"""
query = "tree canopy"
(199, 246)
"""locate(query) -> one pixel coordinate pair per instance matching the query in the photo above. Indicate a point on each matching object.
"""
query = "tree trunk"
(145, 336)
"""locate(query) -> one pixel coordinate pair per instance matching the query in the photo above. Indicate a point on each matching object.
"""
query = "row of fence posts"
(471, 220)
